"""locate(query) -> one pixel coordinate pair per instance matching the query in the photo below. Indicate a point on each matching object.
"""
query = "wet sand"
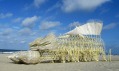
(8, 65)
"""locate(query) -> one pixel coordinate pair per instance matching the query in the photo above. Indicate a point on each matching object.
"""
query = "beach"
(7, 65)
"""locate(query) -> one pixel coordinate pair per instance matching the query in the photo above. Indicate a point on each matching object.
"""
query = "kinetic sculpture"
(83, 43)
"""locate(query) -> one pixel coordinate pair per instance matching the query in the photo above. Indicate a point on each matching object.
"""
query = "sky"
(22, 21)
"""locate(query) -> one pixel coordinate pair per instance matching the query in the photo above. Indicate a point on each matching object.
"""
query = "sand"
(8, 65)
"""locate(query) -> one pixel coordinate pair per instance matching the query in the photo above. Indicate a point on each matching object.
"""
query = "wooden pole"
(110, 55)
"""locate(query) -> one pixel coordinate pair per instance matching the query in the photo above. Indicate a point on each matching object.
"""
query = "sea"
(9, 51)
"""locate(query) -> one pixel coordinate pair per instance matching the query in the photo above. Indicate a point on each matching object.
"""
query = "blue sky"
(22, 21)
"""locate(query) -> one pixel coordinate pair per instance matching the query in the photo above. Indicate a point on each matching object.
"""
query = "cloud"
(109, 26)
(6, 31)
(74, 24)
(70, 26)
(103, 11)
(45, 25)
(57, 5)
(16, 20)
(25, 31)
(7, 15)
(37, 3)
(73, 5)
(28, 32)
(117, 16)
(29, 21)
(22, 41)
(16, 27)
(11, 38)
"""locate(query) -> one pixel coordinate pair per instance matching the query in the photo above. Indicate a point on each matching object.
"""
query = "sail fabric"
(92, 28)
(75, 31)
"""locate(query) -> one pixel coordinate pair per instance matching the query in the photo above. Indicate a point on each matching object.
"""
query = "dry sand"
(8, 65)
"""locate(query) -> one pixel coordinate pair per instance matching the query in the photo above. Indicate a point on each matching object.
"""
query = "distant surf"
(9, 51)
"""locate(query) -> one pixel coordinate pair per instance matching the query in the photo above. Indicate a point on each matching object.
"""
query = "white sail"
(92, 28)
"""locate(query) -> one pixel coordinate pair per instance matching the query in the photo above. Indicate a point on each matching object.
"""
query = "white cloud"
(49, 24)
(22, 41)
(6, 31)
(34, 4)
(117, 16)
(37, 3)
(25, 31)
(72, 5)
(2, 15)
(103, 11)
(29, 21)
(109, 26)
(71, 26)
(57, 5)
(16, 20)
(74, 24)
(16, 27)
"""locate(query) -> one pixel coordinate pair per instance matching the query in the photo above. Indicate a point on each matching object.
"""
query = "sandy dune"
(7, 65)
